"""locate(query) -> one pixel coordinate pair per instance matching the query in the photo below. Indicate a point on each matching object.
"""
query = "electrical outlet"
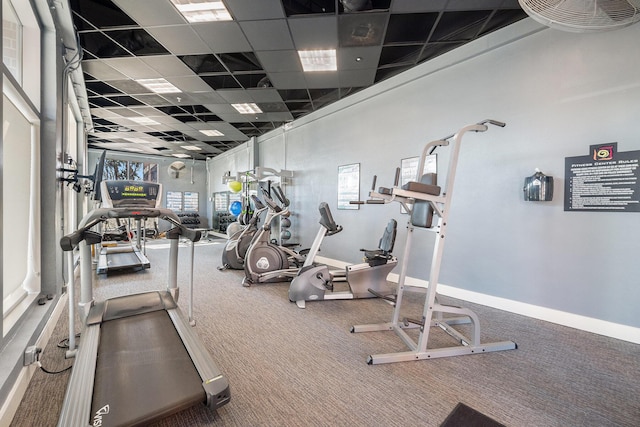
(31, 355)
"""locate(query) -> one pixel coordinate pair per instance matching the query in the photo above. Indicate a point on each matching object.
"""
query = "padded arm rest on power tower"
(422, 213)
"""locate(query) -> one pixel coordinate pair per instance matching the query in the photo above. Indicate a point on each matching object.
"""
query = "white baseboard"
(584, 323)
(576, 321)
(15, 395)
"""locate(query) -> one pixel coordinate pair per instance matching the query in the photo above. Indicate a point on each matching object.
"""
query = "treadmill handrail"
(71, 240)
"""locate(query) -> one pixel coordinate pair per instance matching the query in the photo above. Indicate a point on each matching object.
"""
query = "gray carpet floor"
(293, 367)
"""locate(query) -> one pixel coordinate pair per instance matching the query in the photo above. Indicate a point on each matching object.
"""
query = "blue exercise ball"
(235, 208)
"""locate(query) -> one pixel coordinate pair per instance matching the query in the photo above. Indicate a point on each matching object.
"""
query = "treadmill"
(127, 255)
(139, 360)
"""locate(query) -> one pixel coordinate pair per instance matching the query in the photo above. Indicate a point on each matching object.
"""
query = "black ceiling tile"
(103, 122)
(138, 42)
(322, 97)
(431, 50)
(172, 110)
(88, 77)
(203, 63)
(399, 55)
(243, 61)
(174, 133)
(305, 7)
(243, 126)
(101, 46)
(250, 81)
(125, 100)
(365, 29)
(103, 129)
(294, 94)
(223, 81)
(86, 55)
(102, 88)
(185, 119)
(298, 114)
(386, 72)
(362, 6)
(80, 24)
(464, 25)
(409, 27)
(299, 106)
(100, 102)
(101, 13)
(273, 107)
(160, 148)
(502, 18)
(208, 118)
(195, 109)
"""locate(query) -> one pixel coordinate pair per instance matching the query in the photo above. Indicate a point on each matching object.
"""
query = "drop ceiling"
(251, 59)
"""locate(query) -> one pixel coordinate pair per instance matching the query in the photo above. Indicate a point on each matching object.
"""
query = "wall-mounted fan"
(176, 168)
(582, 16)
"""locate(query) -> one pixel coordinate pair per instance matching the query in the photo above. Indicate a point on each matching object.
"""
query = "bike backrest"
(388, 238)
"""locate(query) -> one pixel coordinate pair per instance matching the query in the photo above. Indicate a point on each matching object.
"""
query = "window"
(115, 169)
(179, 201)
(11, 40)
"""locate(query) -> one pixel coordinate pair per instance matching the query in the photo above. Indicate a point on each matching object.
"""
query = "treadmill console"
(125, 194)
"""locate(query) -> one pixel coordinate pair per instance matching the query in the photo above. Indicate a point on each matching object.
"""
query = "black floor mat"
(464, 416)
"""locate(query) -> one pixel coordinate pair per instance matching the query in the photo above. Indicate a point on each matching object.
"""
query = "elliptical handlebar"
(257, 202)
(277, 190)
(270, 202)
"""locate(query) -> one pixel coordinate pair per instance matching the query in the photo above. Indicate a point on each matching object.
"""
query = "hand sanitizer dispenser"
(538, 187)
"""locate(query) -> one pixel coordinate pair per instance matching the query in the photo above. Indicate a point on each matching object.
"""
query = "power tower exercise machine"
(365, 280)
(424, 200)
(138, 360)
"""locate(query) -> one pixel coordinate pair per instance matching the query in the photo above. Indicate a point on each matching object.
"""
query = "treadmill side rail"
(214, 383)
(77, 401)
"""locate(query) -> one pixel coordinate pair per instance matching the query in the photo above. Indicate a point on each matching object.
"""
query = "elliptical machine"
(365, 280)
(265, 260)
(238, 244)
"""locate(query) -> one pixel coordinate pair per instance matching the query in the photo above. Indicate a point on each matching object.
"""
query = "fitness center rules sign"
(605, 180)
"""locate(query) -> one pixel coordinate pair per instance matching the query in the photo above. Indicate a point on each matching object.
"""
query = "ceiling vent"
(583, 16)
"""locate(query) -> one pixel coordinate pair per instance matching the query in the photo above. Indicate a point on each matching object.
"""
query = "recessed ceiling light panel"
(211, 132)
(191, 147)
(202, 10)
(247, 108)
(181, 155)
(158, 85)
(318, 60)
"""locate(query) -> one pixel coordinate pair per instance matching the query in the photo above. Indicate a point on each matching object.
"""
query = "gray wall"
(559, 93)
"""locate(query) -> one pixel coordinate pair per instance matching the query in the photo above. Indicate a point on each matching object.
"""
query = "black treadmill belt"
(122, 260)
(143, 372)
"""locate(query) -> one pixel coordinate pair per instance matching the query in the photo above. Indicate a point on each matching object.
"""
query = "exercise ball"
(235, 208)
(285, 223)
(285, 235)
(235, 186)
